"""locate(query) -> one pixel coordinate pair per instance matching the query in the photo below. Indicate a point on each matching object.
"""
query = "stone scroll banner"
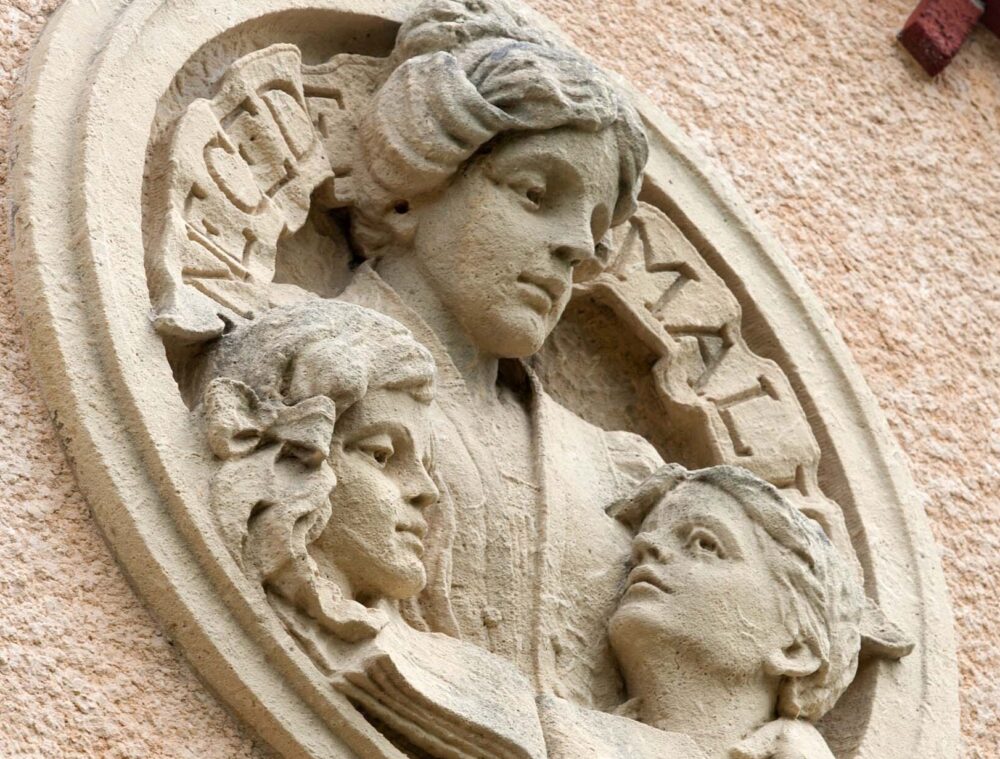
(241, 169)
(271, 409)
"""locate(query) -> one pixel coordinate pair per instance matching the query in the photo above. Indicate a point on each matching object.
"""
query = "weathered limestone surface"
(877, 183)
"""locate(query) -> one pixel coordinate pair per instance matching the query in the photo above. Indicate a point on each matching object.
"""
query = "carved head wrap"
(464, 72)
(822, 598)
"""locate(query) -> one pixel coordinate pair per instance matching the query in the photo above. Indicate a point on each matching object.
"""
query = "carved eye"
(701, 541)
(306, 455)
(376, 446)
(379, 454)
(535, 195)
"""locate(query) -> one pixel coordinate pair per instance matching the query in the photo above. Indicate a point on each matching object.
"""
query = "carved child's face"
(381, 456)
(700, 587)
(499, 245)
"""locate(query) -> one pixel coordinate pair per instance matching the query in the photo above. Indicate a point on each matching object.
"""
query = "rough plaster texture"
(879, 183)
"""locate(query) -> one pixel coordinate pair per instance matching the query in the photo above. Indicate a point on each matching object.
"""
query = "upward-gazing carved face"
(700, 587)
(381, 455)
(498, 246)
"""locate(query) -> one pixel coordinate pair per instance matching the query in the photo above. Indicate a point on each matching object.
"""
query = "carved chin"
(408, 582)
(524, 348)
(635, 618)
(519, 334)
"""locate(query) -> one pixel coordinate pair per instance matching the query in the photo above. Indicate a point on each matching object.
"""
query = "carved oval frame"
(82, 288)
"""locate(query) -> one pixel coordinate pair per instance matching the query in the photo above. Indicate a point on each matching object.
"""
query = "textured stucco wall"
(884, 189)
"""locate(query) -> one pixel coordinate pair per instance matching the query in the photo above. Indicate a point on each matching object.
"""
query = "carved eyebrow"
(557, 166)
(393, 429)
(703, 519)
(541, 162)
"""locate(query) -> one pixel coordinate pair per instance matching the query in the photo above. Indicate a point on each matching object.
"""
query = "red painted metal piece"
(935, 31)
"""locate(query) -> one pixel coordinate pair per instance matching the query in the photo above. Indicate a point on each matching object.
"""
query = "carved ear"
(232, 415)
(794, 660)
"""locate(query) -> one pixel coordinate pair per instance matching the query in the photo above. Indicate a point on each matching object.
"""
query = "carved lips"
(412, 535)
(541, 292)
(645, 575)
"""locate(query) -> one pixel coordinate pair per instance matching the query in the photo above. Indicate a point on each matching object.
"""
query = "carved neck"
(405, 275)
(679, 694)
(333, 575)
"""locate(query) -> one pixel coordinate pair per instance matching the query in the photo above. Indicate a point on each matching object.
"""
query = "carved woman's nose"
(574, 242)
(574, 253)
(573, 250)
(423, 492)
(647, 548)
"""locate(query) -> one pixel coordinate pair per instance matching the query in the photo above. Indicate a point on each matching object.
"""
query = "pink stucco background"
(882, 185)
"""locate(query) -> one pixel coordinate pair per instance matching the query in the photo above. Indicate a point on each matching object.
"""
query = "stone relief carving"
(483, 174)
(321, 415)
(768, 619)
(487, 464)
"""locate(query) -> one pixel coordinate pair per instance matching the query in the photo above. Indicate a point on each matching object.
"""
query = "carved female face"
(381, 455)
(700, 587)
(499, 245)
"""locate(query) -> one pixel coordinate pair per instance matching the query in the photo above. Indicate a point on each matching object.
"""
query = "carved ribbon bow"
(239, 423)
(269, 513)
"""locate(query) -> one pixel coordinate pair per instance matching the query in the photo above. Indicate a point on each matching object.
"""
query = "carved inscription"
(242, 169)
(659, 285)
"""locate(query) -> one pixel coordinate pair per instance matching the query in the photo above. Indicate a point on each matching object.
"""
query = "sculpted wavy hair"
(462, 73)
(323, 348)
(274, 390)
(821, 598)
